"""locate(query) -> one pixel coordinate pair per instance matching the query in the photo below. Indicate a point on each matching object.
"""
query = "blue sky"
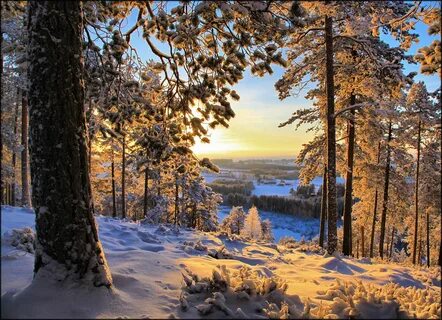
(254, 132)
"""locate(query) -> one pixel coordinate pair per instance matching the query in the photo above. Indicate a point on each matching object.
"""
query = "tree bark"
(66, 229)
(14, 151)
(393, 230)
(385, 200)
(323, 220)
(419, 254)
(114, 198)
(2, 182)
(159, 184)
(375, 206)
(440, 253)
(146, 190)
(348, 199)
(176, 200)
(362, 241)
(357, 249)
(416, 192)
(123, 180)
(26, 197)
(332, 241)
(428, 239)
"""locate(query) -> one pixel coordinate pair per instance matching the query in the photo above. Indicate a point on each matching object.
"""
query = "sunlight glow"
(219, 144)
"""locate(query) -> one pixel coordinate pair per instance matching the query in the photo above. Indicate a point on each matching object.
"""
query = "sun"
(220, 143)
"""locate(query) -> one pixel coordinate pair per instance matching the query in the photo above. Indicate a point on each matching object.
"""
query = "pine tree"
(252, 225)
(234, 222)
(266, 227)
(66, 229)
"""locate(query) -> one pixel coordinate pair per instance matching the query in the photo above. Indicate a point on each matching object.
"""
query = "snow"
(262, 189)
(284, 224)
(148, 263)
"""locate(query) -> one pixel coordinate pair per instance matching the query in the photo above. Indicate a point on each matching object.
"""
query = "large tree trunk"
(146, 190)
(416, 193)
(66, 228)
(385, 201)
(332, 242)
(14, 151)
(323, 220)
(375, 207)
(114, 198)
(123, 180)
(26, 197)
(348, 199)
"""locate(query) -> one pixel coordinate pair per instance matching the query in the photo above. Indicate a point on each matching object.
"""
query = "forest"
(104, 199)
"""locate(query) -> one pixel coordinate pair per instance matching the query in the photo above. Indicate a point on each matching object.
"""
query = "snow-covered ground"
(148, 261)
(262, 189)
(283, 225)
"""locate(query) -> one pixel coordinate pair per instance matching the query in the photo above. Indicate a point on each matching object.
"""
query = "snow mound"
(220, 253)
(22, 239)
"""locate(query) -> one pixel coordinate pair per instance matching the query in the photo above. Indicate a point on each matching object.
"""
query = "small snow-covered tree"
(252, 225)
(234, 222)
(266, 228)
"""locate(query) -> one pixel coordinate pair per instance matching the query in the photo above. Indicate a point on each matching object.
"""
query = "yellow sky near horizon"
(254, 132)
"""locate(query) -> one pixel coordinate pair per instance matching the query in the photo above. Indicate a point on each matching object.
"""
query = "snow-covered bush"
(22, 239)
(368, 301)
(252, 225)
(220, 294)
(234, 222)
(264, 297)
(302, 246)
(158, 213)
(220, 253)
(288, 242)
(198, 246)
(168, 230)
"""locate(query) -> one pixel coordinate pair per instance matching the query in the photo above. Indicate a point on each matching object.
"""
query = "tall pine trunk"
(176, 200)
(114, 197)
(26, 197)
(323, 220)
(14, 151)
(146, 190)
(393, 230)
(348, 199)
(428, 239)
(385, 200)
(416, 192)
(123, 180)
(332, 241)
(66, 228)
(375, 207)
(362, 241)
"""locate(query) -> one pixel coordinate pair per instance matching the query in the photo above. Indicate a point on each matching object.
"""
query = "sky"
(254, 132)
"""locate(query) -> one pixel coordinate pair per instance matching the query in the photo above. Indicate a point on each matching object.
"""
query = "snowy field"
(272, 189)
(283, 225)
(148, 263)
